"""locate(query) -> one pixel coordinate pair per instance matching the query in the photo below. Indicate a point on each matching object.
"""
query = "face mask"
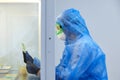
(60, 33)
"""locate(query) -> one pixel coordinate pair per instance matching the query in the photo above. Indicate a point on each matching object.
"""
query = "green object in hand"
(23, 47)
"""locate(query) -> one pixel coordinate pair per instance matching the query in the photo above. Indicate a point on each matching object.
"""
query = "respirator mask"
(59, 32)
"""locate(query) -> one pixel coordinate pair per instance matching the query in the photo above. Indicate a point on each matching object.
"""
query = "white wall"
(103, 21)
(18, 24)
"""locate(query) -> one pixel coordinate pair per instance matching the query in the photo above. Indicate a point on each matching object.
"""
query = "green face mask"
(59, 32)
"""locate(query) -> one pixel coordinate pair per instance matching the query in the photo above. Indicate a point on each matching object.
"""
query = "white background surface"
(18, 24)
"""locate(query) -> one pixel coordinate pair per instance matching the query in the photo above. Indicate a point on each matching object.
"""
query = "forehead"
(58, 26)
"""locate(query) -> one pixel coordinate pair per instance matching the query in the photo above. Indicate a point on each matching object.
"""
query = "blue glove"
(32, 65)
(32, 68)
(36, 61)
(27, 57)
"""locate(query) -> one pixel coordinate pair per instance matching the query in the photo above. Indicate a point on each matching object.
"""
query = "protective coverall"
(82, 58)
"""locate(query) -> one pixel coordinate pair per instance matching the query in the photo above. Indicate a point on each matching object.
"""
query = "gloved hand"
(36, 61)
(32, 68)
(27, 57)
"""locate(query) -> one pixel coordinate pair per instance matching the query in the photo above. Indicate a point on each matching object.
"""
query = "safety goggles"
(59, 29)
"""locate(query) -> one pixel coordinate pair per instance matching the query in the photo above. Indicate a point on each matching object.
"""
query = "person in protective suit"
(82, 58)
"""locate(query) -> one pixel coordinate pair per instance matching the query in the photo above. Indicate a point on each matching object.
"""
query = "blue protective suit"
(82, 58)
